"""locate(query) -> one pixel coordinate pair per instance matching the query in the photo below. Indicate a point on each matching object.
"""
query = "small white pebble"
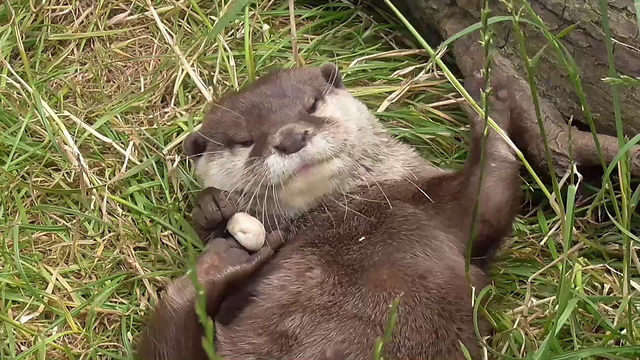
(247, 230)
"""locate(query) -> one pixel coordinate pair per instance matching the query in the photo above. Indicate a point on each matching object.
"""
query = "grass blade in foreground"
(624, 173)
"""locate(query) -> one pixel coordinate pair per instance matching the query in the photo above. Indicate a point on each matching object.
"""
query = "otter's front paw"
(223, 253)
(211, 213)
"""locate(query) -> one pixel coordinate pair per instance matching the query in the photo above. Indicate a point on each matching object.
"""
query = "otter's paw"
(223, 253)
(499, 101)
(212, 210)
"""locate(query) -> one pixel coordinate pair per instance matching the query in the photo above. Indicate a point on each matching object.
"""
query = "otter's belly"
(302, 304)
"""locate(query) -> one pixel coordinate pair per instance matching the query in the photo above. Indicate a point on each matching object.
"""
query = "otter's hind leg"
(453, 195)
(500, 193)
(175, 332)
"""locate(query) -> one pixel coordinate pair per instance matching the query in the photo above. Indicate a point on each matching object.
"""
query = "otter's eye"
(238, 143)
(314, 106)
(245, 143)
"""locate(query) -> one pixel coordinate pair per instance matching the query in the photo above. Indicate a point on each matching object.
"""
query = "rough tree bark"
(559, 101)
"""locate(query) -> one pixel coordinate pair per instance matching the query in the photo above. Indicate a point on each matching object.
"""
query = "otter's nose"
(292, 142)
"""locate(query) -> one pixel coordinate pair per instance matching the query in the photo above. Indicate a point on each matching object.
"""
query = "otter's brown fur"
(327, 290)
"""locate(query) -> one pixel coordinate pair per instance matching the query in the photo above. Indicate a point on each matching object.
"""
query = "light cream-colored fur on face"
(350, 138)
(349, 123)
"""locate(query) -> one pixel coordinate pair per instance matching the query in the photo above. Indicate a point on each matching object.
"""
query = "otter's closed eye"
(246, 143)
(314, 106)
(239, 143)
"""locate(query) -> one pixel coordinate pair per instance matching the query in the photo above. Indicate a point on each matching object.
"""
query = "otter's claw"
(212, 211)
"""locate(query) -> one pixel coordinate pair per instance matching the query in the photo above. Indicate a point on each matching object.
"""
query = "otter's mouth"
(308, 182)
(305, 169)
(309, 170)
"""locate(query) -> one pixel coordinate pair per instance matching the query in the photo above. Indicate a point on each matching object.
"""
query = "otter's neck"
(387, 159)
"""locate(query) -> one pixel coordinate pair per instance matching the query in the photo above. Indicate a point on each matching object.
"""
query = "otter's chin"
(309, 183)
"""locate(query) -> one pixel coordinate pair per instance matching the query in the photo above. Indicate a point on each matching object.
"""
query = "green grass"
(94, 99)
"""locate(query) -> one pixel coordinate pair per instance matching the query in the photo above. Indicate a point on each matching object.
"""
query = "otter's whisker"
(379, 187)
(209, 139)
(204, 153)
(264, 177)
(264, 207)
(419, 189)
(240, 200)
(227, 109)
(277, 207)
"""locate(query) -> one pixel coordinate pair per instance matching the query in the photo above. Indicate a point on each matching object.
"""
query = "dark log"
(558, 98)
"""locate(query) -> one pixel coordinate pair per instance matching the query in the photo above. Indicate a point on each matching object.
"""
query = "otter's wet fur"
(369, 221)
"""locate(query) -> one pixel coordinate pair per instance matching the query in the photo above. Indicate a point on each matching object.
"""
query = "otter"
(356, 218)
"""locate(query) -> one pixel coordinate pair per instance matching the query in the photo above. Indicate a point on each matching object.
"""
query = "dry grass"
(96, 191)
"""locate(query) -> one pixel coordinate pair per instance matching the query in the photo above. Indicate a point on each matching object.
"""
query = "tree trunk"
(558, 99)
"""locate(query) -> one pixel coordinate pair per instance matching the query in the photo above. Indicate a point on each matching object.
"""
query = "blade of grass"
(599, 352)
(388, 332)
(487, 40)
(564, 292)
(562, 34)
(637, 6)
(536, 104)
(574, 75)
(454, 81)
(624, 174)
(248, 49)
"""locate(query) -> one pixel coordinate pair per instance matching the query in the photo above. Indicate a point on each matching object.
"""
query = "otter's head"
(289, 138)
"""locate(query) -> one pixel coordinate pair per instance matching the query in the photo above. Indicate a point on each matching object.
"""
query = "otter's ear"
(332, 75)
(194, 145)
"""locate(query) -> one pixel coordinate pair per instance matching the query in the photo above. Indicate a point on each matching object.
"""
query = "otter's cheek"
(342, 132)
(321, 146)
(342, 122)
(222, 173)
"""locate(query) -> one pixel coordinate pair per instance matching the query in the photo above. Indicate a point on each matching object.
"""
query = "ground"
(95, 97)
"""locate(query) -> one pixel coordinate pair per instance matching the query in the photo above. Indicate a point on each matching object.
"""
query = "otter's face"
(290, 136)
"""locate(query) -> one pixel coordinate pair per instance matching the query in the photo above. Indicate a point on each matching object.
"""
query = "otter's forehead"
(287, 83)
(266, 105)
(277, 92)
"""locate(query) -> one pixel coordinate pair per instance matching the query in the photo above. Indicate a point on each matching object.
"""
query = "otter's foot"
(499, 103)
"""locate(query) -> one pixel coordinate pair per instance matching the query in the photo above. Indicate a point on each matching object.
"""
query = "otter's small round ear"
(332, 75)
(194, 145)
